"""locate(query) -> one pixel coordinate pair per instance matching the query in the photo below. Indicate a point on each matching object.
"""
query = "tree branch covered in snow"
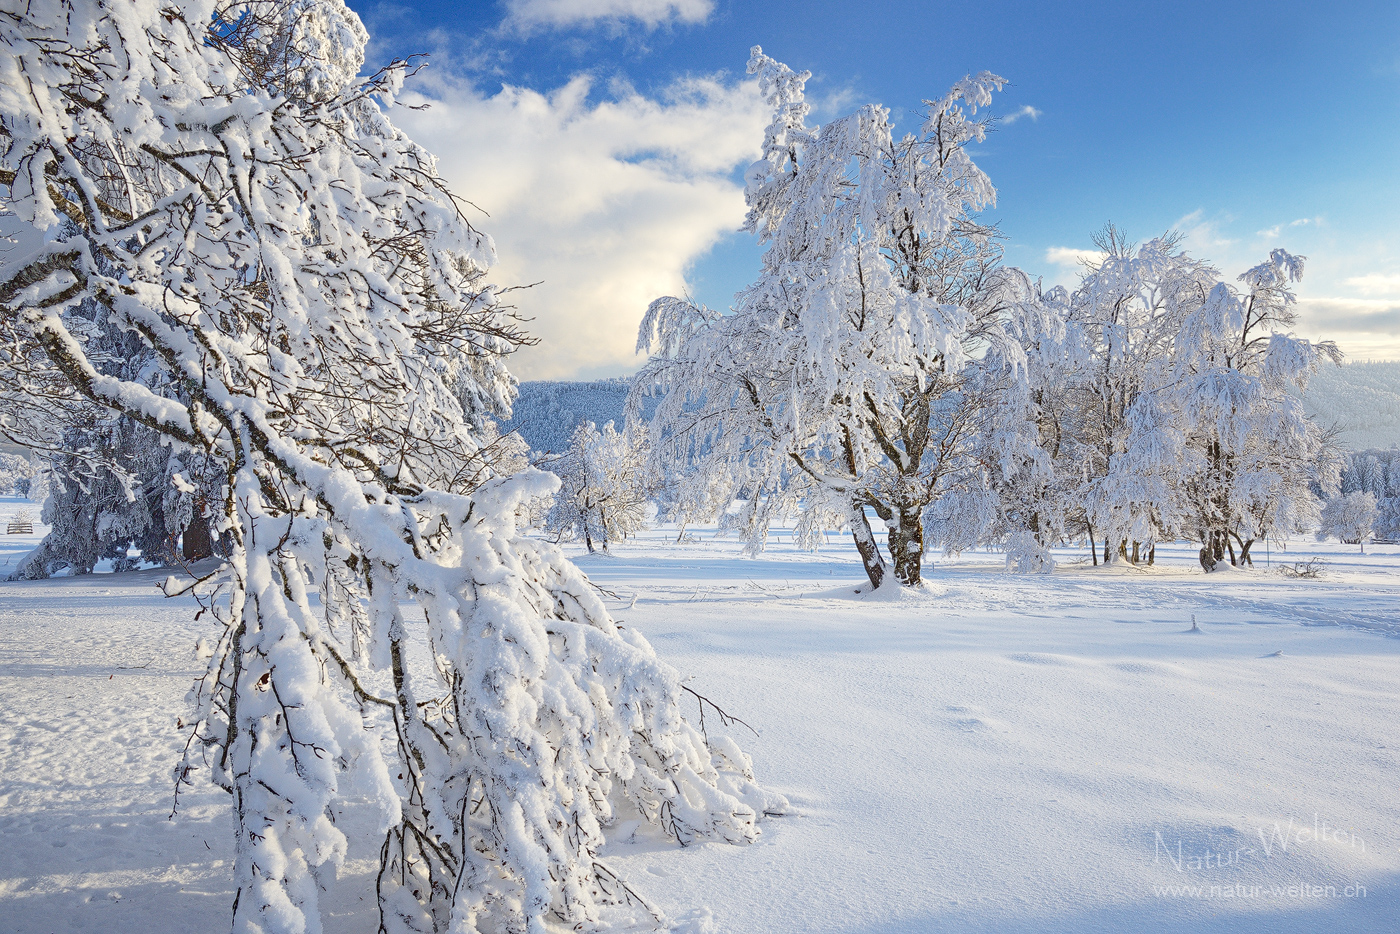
(213, 180)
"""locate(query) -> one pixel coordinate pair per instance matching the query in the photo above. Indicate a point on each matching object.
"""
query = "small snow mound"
(890, 591)
(699, 921)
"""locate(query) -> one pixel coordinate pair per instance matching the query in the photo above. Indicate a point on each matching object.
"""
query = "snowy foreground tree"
(215, 180)
(856, 372)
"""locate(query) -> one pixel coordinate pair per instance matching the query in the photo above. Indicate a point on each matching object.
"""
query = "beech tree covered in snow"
(1348, 518)
(1179, 416)
(1125, 315)
(1376, 472)
(605, 486)
(1252, 451)
(841, 381)
(215, 180)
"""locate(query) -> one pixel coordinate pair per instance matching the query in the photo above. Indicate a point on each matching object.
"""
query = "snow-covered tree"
(1348, 518)
(1126, 313)
(839, 382)
(1182, 417)
(115, 487)
(215, 180)
(1253, 453)
(16, 475)
(605, 486)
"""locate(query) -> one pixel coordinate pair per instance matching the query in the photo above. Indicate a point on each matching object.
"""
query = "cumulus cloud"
(603, 203)
(528, 15)
(1026, 111)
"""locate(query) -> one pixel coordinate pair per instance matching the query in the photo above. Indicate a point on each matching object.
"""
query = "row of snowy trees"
(244, 259)
(885, 361)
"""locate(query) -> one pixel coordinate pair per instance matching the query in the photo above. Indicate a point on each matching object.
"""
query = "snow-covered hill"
(1362, 400)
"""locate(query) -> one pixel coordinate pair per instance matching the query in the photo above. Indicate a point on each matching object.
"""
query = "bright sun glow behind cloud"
(603, 203)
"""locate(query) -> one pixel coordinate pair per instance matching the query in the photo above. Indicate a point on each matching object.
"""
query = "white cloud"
(1375, 284)
(1203, 238)
(1365, 329)
(1069, 263)
(530, 14)
(1069, 256)
(1274, 231)
(604, 204)
(1026, 111)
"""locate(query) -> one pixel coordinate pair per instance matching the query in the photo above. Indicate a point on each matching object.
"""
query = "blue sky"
(607, 138)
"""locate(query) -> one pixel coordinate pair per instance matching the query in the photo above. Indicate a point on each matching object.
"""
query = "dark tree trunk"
(1151, 554)
(197, 542)
(867, 546)
(907, 547)
(1093, 547)
(1135, 558)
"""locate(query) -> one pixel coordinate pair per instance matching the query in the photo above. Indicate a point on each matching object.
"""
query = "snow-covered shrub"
(215, 181)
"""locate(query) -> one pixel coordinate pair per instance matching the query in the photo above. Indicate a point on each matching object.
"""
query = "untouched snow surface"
(992, 754)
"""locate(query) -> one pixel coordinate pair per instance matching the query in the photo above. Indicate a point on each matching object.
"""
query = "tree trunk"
(196, 541)
(907, 547)
(1207, 553)
(1135, 557)
(867, 546)
(1093, 547)
(1151, 554)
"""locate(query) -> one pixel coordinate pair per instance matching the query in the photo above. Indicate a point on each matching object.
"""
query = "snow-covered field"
(996, 753)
